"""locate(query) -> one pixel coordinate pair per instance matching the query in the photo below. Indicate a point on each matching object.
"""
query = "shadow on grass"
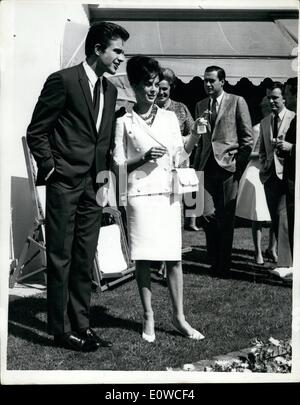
(21, 331)
(242, 267)
(28, 320)
(236, 253)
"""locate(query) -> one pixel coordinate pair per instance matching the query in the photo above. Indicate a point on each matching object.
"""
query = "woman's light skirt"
(154, 227)
(251, 200)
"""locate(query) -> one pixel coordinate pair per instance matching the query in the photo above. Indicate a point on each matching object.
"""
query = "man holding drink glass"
(226, 141)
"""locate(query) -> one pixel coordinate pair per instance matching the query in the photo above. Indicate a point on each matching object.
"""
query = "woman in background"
(185, 119)
(251, 200)
(148, 145)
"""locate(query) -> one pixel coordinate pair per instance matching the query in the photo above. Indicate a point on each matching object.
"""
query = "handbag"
(185, 180)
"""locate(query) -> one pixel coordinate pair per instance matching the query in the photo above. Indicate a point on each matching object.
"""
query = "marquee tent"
(253, 48)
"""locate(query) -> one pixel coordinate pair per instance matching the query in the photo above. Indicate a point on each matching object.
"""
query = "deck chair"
(35, 241)
(112, 264)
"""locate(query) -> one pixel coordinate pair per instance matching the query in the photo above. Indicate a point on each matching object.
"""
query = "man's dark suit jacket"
(63, 134)
(289, 168)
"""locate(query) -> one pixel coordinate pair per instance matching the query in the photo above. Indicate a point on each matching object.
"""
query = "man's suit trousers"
(274, 190)
(222, 186)
(290, 209)
(73, 221)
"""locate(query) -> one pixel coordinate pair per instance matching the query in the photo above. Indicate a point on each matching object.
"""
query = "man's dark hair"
(220, 72)
(277, 85)
(102, 33)
(293, 83)
(142, 68)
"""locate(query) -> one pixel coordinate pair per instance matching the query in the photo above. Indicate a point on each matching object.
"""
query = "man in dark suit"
(286, 149)
(273, 130)
(70, 135)
(222, 154)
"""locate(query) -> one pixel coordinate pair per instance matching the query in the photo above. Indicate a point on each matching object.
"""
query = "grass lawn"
(229, 312)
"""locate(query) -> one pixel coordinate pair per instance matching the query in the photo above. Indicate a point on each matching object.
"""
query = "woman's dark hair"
(102, 33)
(142, 68)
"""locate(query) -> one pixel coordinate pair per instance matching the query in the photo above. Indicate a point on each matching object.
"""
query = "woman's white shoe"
(148, 338)
(195, 335)
(145, 336)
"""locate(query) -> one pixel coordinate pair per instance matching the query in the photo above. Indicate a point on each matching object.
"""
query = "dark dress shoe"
(270, 256)
(90, 335)
(192, 228)
(72, 341)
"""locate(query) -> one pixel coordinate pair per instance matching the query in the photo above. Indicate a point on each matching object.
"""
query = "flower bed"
(273, 356)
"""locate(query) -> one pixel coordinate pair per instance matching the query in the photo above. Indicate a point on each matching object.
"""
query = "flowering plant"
(206, 114)
(204, 118)
(273, 356)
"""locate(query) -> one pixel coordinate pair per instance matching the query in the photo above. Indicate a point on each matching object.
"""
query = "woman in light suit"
(148, 144)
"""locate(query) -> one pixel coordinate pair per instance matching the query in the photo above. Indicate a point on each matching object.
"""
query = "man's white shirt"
(218, 101)
(92, 78)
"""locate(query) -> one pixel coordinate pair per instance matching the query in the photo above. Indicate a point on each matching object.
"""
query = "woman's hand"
(154, 153)
(150, 156)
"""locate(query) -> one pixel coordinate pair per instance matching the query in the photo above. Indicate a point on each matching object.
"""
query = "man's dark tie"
(275, 126)
(213, 116)
(96, 98)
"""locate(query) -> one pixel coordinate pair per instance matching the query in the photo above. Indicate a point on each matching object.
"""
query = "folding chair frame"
(36, 234)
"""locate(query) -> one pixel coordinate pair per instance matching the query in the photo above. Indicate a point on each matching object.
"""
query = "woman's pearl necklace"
(147, 116)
